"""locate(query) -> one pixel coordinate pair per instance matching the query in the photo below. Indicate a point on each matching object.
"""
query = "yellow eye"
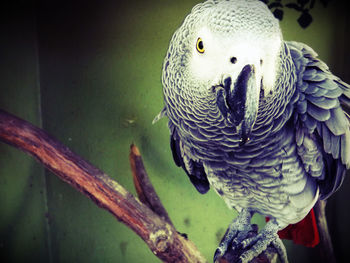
(200, 45)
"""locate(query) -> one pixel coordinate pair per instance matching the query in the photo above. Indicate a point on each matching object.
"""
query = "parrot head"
(230, 49)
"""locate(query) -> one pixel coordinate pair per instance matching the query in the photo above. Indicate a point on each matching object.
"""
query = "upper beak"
(242, 101)
(245, 101)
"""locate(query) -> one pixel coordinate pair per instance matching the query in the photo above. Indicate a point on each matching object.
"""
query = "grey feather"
(323, 102)
(310, 123)
(272, 154)
(345, 149)
(311, 89)
(299, 136)
(302, 106)
(318, 113)
(159, 116)
(308, 191)
(335, 144)
(312, 75)
(335, 93)
(327, 141)
(337, 123)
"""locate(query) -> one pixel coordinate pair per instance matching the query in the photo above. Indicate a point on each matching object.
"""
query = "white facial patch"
(226, 55)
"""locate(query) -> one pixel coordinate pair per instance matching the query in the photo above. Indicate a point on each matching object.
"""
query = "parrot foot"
(267, 237)
(246, 244)
(239, 230)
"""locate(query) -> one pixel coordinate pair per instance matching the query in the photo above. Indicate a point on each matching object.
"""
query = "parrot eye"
(200, 45)
(233, 60)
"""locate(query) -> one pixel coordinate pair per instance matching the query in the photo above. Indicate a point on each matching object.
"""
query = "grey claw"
(217, 255)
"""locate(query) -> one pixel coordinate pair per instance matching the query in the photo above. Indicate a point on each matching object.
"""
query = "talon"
(217, 255)
(281, 250)
(238, 242)
(245, 243)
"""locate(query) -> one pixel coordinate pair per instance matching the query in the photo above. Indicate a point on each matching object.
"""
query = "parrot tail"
(303, 233)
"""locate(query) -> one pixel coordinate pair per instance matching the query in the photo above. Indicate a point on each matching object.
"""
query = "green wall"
(88, 72)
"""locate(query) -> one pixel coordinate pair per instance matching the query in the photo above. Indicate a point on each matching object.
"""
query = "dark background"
(88, 72)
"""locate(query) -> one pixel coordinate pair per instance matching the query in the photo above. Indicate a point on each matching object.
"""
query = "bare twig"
(159, 235)
(144, 187)
(325, 247)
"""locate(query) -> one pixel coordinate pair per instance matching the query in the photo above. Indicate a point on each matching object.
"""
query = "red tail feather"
(303, 233)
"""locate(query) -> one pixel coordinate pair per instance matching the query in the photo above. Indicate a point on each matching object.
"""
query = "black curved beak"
(239, 103)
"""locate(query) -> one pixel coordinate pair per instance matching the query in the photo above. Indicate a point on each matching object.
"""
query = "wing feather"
(321, 117)
(193, 169)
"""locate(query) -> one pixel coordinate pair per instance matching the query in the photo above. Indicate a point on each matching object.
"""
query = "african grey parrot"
(257, 118)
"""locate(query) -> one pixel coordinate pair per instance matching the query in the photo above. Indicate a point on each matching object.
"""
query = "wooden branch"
(159, 235)
(325, 247)
(148, 219)
(144, 187)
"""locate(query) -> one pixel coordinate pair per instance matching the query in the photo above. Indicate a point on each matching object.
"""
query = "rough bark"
(143, 185)
(161, 237)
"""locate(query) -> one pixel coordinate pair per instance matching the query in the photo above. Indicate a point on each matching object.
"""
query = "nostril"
(233, 60)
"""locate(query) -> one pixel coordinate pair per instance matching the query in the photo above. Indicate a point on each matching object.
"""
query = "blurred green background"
(88, 72)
